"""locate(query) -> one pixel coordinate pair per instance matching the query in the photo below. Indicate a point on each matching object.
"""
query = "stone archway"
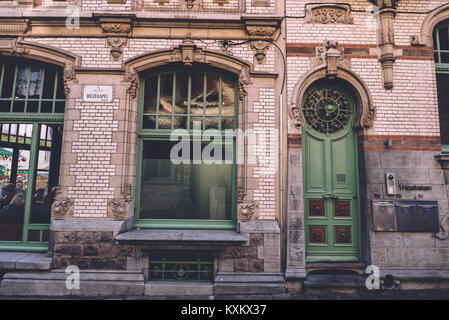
(432, 19)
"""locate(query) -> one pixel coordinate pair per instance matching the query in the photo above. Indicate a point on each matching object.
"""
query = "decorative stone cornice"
(329, 13)
(14, 26)
(188, 53)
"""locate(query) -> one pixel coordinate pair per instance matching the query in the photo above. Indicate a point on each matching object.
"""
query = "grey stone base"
(92, 284)
(157, 288)
(249, 283)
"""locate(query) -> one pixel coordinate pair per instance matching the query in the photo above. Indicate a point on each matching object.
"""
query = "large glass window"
(441, 52)
(31, 115)
(187, 181)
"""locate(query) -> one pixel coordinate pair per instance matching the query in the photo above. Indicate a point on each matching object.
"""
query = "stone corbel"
(118, 25)
(61, 207)
(261, 47)
(261, 29)
(247, 210)
(130, 76)
(387, 14)
(116, 45)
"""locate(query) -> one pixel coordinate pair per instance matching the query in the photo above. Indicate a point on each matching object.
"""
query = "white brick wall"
(93, 166)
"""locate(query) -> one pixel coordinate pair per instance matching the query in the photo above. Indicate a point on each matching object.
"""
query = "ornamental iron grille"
(327, 110)
(180, 267)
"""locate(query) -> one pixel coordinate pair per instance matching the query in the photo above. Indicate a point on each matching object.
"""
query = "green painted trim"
(31, 247)
(34, 154)
(445, 148)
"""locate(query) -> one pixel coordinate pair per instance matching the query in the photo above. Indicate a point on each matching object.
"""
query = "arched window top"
(188, 99)
(441, 46)
(31, 89)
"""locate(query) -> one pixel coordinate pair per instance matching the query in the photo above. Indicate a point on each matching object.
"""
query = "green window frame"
(157, 132)
(35, 99)
(441, 56)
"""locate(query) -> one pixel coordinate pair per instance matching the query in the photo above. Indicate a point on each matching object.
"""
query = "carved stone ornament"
(61, 207)
(131, 77)
(188, 53)
(69, 76)
(116, 45)
(14, 27)
(247, 210)
(297, 117)
(261, 48)
(444, 225)
(329, 14)
(332, 56)
(118, 208)
(116, 28)
(261, 31)
(386, 43)
(244, 80)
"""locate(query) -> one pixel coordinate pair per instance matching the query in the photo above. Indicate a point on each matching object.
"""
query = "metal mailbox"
(427, 214)
(406, 218)
(383, 216)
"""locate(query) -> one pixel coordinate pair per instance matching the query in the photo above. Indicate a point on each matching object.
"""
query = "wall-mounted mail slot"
(405, 216)
(427, 212)
(383, 216)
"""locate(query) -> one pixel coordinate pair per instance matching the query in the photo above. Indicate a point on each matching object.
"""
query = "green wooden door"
(330, 176)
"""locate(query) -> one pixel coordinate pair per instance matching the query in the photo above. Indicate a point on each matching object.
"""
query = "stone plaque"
(95, 93)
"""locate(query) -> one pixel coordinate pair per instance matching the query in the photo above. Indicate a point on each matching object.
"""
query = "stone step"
(24, 261)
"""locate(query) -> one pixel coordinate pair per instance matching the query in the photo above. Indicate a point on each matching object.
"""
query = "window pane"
(8, 81)
(228, 99)
(184, 191)
(150, 95)
(444, 40)
(197, 99)
(47, 173)
(213, 85)
(181, 102)
(443, 106)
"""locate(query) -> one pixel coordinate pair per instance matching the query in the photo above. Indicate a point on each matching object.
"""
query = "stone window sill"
(178, 236)
(24, 261)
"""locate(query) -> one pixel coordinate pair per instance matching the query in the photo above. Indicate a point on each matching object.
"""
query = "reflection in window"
(17, 174)
(184, 191)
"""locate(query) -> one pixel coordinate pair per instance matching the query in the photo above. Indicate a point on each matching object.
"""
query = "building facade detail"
(332, 13)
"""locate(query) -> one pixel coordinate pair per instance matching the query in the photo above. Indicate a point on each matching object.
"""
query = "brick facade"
(100, 139)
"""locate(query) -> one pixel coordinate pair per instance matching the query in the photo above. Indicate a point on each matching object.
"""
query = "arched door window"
(184, 178)
(441, 52)
(32, 106)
